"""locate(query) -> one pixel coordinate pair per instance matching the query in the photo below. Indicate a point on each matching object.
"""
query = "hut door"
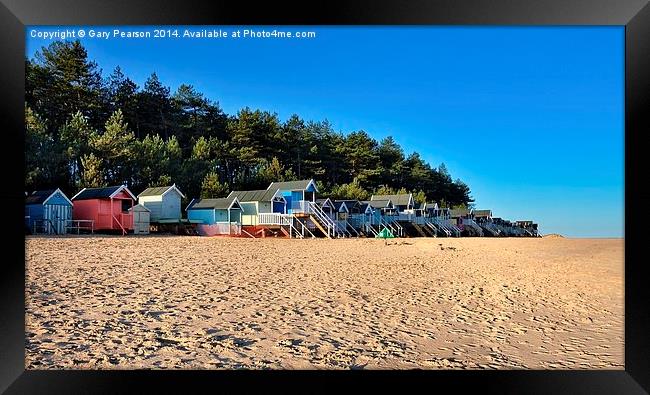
(56, 218)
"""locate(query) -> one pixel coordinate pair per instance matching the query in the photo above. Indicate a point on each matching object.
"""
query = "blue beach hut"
(216, 216)
(48, 211)
(297, 194)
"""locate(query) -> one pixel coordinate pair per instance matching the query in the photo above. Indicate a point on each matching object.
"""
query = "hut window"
(126, 205)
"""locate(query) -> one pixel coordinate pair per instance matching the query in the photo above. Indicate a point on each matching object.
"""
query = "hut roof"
(459, 212)
(217, 204)
(300, 185)
(40, 197)
(379, 203)
(431, 206)
(482, 213)
(323, 202)
(102, 193)
(139, 207)
(155, 191)
(258, 195)
(341, 204)
(403, 199)
(363, 207)
(350, 203)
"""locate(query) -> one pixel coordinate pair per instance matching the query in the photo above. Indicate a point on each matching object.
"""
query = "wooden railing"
(85, 224)
(274, 219)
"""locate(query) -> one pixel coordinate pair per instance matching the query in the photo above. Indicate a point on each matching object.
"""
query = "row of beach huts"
(284, 209)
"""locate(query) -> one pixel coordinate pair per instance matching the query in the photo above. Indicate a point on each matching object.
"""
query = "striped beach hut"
(108, 207)
(164, 203)
(216, 216)
(48, 211)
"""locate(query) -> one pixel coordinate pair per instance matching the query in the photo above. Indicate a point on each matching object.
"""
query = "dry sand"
(205, 303)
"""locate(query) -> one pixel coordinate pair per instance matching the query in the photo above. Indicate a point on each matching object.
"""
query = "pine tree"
(116, 147)
(352, 190)
(93, 173)
(420, 197)
(123, 95)
(75, 135)
(155, 107)
(212, 188)
(37, 146)
(62, 81)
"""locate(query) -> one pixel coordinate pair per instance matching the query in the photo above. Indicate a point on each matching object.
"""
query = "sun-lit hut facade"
(213, 217)
(108, 207)
(257, 202)
(297, 194)
(164, 203)
(141, 219)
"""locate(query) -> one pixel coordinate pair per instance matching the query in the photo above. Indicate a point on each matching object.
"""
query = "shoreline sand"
(203, 303)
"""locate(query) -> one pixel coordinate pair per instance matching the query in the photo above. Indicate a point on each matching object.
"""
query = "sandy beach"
(177, 302)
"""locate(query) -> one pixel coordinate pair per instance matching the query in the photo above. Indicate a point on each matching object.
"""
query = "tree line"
(87, 130)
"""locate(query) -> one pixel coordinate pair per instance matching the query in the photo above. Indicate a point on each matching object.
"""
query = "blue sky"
(531, 118)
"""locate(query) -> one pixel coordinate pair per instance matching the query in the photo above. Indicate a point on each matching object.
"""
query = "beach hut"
(381, 207)
(342, 212)
(457, 214)
(216, 216)
(48, 211)
(354, 206)
(297, 194)
(261, 201)
(403, 202)
(107, 207)
(482, 214)
(527, 227)
(141, 219)
(364, 216)
(327, 205)
(356, 212)
(418, 209)
(430, 209)
(484, 219)
(164, 203)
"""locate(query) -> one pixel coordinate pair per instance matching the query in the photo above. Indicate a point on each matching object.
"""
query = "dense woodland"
(84, 129)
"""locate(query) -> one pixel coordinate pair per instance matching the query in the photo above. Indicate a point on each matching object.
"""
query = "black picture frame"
(16, 14)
